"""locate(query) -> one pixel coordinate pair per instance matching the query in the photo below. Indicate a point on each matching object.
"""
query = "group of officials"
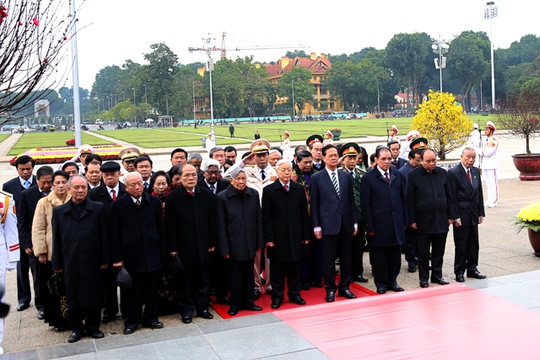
(237, 228)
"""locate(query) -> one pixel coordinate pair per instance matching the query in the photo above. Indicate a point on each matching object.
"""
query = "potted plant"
(529, 218)
(522, 119)
(336, 132)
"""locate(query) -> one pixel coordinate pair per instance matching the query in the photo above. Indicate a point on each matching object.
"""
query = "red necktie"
(190, 192)
(386, 177)
(469, 175)
(113, 195)
(286, 188)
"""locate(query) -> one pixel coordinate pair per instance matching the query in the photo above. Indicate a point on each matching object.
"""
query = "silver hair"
(194, 156)
(467, 148)
(236, 171)
(281, 162)
(77, 176)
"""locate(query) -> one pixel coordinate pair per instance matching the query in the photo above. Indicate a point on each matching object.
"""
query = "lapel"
(328, 181)
(465, 178)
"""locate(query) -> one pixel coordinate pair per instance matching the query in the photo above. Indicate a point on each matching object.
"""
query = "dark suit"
(190, 228)
(138, 239)
(430, 206)
(110, 293)
(26, 207)
(220, 185)
(468, 202)
(410, 234)
(399, 163)
(336, 216)
(14, 187)
(286, 224)
(385, 216)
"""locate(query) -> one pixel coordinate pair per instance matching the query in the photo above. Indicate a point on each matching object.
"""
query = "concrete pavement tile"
(312, 354)
(237, 323)
(524, 294)
(257, 342)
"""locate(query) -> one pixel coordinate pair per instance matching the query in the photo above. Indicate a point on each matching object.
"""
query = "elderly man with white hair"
(210, 179)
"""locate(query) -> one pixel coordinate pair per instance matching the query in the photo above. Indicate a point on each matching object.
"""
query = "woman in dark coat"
(240, 235)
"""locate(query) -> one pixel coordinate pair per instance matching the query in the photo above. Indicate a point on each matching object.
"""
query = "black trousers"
(358, 243)
(437, 243)
(385, 264)
(334, 246)
(242, 283)
(467, 248)
(77, 316)
(280, 271)
(410, 247)
(193, 290)
(219, 280)
(144, 292)
(110, 291)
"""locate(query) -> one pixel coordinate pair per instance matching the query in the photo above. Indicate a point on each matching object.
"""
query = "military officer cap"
(259, 146)
(85, 149)
(110, 166)
(129, 154)
(313, 139)
(491, 125)
(419, 143)
(349, 149)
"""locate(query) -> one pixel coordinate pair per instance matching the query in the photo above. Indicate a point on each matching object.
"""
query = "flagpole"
(75, 74)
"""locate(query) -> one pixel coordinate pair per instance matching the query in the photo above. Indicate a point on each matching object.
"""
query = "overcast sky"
(112, 31)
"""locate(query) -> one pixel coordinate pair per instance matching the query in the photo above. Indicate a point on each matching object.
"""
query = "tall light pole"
(194, 108)
(489, 13)
(293, 107)
(134, 105)
(378, 98)
(145, 97)
(441, 48)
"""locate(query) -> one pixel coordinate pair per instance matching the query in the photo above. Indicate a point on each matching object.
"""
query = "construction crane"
(223, 49)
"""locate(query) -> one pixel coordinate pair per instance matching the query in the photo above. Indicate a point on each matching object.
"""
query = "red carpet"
(313, 296)
(442, 322)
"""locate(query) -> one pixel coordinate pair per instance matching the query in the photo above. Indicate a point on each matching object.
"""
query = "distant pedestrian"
(257, 135)
(489, 165)
(231, 130)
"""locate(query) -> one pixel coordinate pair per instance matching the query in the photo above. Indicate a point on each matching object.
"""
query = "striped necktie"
(335, 183)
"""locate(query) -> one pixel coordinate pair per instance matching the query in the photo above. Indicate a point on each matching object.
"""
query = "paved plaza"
(505, 257)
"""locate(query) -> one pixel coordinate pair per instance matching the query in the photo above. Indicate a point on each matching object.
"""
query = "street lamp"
(194, 108)
(145, 97)
(210, 68)
(440, 47)
(293, 107)
(489, 13)
(134, 103)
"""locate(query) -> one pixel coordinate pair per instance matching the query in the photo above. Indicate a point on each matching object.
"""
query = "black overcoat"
(190, 224)
(80, 247)
(286, 221)
(137, 233)
(239, 224)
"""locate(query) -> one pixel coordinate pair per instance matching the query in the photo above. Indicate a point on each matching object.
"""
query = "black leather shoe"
(381, 290)
(23, 306)
(317, 283)
(460, 277)
(298, 301)
(396, 288)
(347, 294)
(205, 314)
(41, 315)
(232, 311)
(74, 337)
(96, 334)
(129, 330)
(476, 275)
(411, 268)
(424, 284)
(276, 304)
(254, 308)
(153, 325)
(107, 319)
(186, 319)
(360, 278)
(440, 281)
(223, 300)
(330, 296)
(257, 293)
(306, 286)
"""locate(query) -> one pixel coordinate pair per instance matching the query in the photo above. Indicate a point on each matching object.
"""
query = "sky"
(113, 31)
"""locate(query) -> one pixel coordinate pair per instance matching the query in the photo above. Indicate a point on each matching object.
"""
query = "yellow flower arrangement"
(528, 217)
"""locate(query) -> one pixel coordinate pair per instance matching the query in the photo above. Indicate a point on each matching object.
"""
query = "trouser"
(3, 269)
(144, 292)
(193, 290)
(218, 278)
(467, 249)
(437, 243)
(492, 184)
(334, 246)
(385, 264)
(110, 291)
(410, 246)
(280, 271)
(92, 315)
(241, 282)
(23, 280)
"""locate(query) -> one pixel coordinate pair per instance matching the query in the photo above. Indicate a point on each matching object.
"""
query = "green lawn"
(188, 136)
(50, 139)
(4, 137)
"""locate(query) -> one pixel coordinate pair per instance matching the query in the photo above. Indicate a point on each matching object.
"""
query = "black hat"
(313, 139)
(419, 143)
(177, 268)
(124, 280)
(110, 166)
(349, 149)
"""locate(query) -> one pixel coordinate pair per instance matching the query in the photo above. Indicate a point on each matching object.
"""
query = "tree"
(33, 39)
(299, 80)
(296, 53)
(227, 89)
(442, 122)
(181, 102)
(158, 76)
(468, 61)
(254, 81)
